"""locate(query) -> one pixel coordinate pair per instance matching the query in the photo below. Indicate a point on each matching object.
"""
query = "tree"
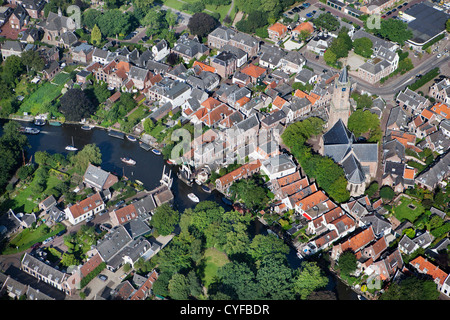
(347, 263)
(165, 219)
(411, 288)
(327, 21)
(447, 25)
(171, 18)
(274, 279)
(201, 24)
(363, 47)
(363, 121)
(90, 17)
(96, 35)
(237, 281)
(12, 69)
(395, 30)
(252, 194)
(194, 7)
(75, 105)
(143, 4)
(89, 154)
(387, 193)
(308, 279)
(266, 245)
(178, 287)
(330, 57)
(153, 20)
(32, 60)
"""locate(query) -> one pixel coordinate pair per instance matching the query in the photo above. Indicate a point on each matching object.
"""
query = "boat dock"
(116, 134)
(144, 146)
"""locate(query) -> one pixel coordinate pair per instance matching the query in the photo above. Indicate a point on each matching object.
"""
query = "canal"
(148, 170)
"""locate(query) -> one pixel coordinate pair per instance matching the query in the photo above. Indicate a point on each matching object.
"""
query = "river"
(148, 169)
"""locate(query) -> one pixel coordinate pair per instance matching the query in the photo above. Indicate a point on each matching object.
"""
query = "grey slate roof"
(95, 175)
(43, 269)
(353, 170)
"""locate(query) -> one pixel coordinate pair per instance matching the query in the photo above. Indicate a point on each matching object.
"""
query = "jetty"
(116, 134)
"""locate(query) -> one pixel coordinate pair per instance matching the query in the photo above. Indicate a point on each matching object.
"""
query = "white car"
(439, 55)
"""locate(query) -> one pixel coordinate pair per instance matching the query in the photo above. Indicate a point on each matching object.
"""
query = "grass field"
(214, 259)
(408, 209)
(222, 10)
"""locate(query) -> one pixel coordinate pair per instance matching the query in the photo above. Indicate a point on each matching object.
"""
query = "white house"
(160, 50)
(85, 209)
(278, 166)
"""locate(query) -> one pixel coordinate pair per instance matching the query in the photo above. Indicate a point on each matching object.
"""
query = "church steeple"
(340, 100)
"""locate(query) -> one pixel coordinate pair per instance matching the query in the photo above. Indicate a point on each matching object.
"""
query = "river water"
(148, 170)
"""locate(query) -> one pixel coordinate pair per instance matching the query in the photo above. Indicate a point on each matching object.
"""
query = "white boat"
(39, 122)
(128, 161)
(131, 138)
(193, 197)
(157, 152)
(86, 127)
(29, 130)
(71, 147)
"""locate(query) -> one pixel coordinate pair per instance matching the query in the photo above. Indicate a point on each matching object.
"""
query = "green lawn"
(28, 237)
(214, 259)
(61, 78)
(41, 99)
(408, 209)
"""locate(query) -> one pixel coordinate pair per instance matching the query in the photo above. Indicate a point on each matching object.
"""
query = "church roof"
(338, 134)
(353, 170)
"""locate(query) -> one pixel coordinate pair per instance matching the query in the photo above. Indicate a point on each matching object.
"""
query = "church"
(359, 160)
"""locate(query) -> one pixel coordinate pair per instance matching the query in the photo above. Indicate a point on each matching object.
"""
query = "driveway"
(97, 286)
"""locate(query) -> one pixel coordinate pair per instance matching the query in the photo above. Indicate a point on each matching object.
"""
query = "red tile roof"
(423, 265)
(253, 71)
(86, 205)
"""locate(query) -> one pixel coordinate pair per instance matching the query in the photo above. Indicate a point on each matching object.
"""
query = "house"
(440, 91)
(382, 65)
(44, 272)
(313, 205)
(293, 62)
(355, 242)
(320, 43)
(139, 76)
(277, 31)
(421, 240)
(306, 27)
(12, 48)
(225, 64)
(278, 166)
(271, 56)
(386, 266)
(19, 18)
(100, 56)
(254, 72)
(160, 50)
(273, 119)
(51, 70)
(5, 13)
(240, 55)
(411, 101)
(48, 203)
(376, 6)
(398, 119)
(85, 209)
(34, 8)
(441, 110)
(189, 49)
(435, 174)
(99, 179)
(9, 224)
(423, 266)
(220, 37)
(82, 53)
(245, 171)
(146, 288)
(245, 42)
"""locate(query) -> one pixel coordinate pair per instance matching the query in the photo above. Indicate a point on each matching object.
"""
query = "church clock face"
(343, 89)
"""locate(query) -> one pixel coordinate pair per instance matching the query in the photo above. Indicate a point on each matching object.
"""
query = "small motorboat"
(55, 123)
(131, 138)
(71, 147)
(128, 161)
(206, 189)
(39, 122)
(86, 127)
(30, 130)
(157, 152)
(170, 161)
(193, 197)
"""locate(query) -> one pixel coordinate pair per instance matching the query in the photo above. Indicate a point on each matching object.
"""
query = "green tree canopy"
(395, 30)
(165, 219)
(76, 105)
(89, 154)
(363, 47)
(308, 279)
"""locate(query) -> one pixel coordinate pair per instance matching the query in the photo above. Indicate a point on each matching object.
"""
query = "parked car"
(439, 55)
(306, 5)
(36, 245)
(309, 15)
(102, 277)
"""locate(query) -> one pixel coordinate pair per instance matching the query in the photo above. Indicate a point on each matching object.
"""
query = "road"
(393, 86)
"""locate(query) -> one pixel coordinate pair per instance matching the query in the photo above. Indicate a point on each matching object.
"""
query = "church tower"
(340, 100)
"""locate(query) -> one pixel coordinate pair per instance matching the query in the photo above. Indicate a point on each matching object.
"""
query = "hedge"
(427, 77)
(441, 230)
(92, 274)
(429, 44)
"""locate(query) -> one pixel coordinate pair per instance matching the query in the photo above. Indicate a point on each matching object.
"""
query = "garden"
(408, 209)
